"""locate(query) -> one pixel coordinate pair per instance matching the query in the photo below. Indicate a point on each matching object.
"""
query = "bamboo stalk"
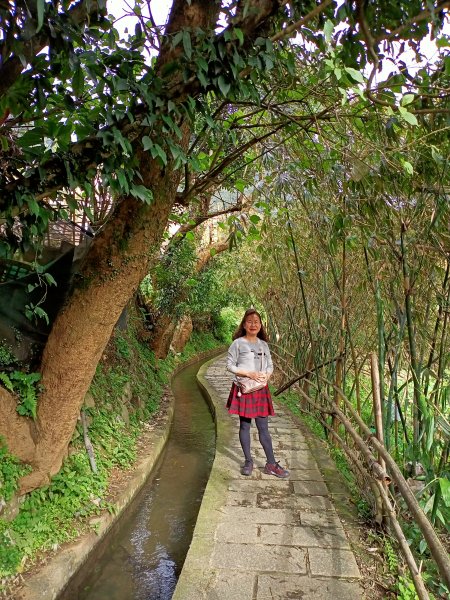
(436, 330)
(381, 345)
(441, 356)
(434, 544)
(341, 347)
(372, 463)
(404, 546)
(302, 289)
(417, 408)
(376, 397)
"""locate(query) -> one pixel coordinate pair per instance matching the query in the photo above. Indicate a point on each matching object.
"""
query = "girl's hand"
(257, 376)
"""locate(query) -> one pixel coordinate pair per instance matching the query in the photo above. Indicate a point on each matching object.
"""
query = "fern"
(6, 381)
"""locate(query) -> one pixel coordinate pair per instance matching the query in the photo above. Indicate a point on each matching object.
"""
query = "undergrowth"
(127, 390)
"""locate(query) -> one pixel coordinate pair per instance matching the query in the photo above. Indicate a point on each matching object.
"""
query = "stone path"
(259, 537)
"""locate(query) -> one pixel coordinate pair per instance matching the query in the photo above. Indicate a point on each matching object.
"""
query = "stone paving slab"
(259, 558)
(284, 586)
(303, 536)
(259, 537)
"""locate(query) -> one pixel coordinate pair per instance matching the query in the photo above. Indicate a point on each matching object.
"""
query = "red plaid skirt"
(251, 405)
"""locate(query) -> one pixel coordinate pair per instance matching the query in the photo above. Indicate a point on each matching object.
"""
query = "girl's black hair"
(240, 331)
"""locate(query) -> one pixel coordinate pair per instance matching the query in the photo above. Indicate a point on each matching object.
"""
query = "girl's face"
(252, 324)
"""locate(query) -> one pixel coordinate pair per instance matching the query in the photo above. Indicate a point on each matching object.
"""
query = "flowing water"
(141, 558)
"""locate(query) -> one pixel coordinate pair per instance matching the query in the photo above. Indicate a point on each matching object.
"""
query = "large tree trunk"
(110, 276)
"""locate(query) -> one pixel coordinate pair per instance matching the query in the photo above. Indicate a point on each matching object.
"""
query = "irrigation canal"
(142, 556)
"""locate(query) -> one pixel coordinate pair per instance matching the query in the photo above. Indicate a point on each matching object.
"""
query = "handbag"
(246, 385)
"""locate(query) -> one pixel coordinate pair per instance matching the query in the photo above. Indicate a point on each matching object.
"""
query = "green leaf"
(408, 167)
(40, 312)
(78, 82)
(49, 279)
(430, 432)
(407, 99)
(239, 34)
(157, 152)
(141, 192)
(437, 156)
(147, 143)
(123, 182)
(202, 64)
(202, 79)
(40, 14)
(223, 85)
(407, 116)
(443, 42)
(356, 75)
(33, 206)
(6, 382)
(187, 45)
(328, 30)
(213, 251)
(255, 219)
(444, 484)
(240, 185)
(177, 38)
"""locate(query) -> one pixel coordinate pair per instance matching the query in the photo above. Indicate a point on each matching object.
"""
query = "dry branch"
(305, 374)
(88, 443)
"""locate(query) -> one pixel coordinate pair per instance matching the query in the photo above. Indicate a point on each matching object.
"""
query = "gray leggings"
(262, 423)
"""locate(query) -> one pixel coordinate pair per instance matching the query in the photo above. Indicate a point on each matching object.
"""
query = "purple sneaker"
(247, 468)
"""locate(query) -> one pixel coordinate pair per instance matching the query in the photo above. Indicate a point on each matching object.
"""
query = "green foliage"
(11, 470)
(26, 386)
(390, 555)
(122, 347)
(406, 589)
(7, 358)
(172, 277)
(226, 323)
(10, 555)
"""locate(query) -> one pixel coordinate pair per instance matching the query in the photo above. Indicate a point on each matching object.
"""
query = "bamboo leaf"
(444, 425)
(40, 14)
(444, 484)
(430, 432)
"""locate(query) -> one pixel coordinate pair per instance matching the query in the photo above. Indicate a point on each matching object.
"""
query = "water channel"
(142, 556)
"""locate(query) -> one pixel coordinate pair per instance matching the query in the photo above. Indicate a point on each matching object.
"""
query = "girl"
(249, 356)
